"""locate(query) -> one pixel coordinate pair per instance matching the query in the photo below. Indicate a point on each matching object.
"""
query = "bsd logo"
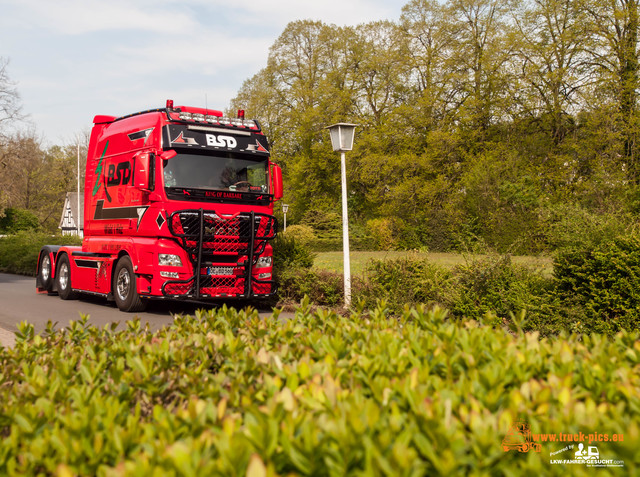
(119, 174)
(221, 141)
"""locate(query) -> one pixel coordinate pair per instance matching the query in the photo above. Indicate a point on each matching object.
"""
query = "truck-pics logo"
(221, 141)
(519, 438)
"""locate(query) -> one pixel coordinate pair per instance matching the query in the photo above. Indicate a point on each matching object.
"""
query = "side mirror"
(141, 168)
(276, 181)
(170, 154)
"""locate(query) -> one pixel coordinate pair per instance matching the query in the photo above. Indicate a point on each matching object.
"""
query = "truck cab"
(178, 205)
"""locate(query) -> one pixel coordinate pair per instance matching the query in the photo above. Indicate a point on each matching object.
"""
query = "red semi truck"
(178, 204)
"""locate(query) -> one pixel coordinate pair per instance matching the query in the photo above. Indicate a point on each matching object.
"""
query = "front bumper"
(223, 251)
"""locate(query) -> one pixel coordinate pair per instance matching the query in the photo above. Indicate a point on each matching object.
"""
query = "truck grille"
(224, 250)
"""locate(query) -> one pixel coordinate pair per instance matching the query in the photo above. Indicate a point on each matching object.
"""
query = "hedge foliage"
(490, 286)
(603, 282)
(595, 287)
(229, 393)
(19, 252)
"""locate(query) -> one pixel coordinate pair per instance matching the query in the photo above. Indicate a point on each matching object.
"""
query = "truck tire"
(63, 279)
(124, 287)
(45, 271)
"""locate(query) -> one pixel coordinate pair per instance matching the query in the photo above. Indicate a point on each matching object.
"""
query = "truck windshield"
(218, 172)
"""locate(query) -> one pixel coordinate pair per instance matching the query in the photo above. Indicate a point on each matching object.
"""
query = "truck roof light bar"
(217, 130)
(204, 117)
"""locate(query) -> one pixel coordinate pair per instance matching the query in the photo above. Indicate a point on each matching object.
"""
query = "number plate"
(219, 270)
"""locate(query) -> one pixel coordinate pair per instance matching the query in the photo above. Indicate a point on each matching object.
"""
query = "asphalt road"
(20, 302)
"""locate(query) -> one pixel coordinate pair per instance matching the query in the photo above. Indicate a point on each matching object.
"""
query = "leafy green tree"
(480, 61)
(552, 41)
(614, 23)
(430, 39)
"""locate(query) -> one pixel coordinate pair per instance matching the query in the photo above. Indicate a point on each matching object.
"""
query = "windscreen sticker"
(115, 213)
(144, 134)
(185, 140)
(256, 147)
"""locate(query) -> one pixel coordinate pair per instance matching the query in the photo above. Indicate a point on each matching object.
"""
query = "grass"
(332, 261)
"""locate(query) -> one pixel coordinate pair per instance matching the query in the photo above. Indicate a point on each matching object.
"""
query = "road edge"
(7, 338)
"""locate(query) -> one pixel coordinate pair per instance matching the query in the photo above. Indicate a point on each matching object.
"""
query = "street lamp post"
(341, 141)
(285, 208)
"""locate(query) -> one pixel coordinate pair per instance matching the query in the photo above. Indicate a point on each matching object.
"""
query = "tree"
(552, 42)
(9, 97)
(479, 60)
(615, 26)
(9, 110)
(428, 32)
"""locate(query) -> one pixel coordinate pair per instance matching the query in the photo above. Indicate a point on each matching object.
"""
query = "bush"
(404, 281)
(326, 225)
(288, 253)
(230, 393)
(302, 234)
(16, 220)
(572, 227)
(322, 287)
(602, 282)
(489, 288)
(19, 252)
(382, 231)
(494, 287)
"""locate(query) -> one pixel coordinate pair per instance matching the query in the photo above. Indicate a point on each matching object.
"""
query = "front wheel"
(63, 279)
(124, 287)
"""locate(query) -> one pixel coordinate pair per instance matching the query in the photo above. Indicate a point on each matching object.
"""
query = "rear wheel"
(44, 272)
(63, 279)
(124, 287)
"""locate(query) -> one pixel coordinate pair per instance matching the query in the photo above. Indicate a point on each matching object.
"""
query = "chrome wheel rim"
(63, 277)
(123, 283)
(46, 268)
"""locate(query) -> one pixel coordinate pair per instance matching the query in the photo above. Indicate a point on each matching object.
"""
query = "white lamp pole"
(285, 208)
(78, 211)
(341, 141)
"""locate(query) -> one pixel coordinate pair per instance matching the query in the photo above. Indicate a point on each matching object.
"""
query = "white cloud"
(77, 58)
(77, 17)
(281, 12)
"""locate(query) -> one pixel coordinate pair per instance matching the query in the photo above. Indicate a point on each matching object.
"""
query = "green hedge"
(227, 393)
(595, 287)
(602, 282)
(19, 252)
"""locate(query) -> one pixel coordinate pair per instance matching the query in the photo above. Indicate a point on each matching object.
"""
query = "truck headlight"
(169, 260)
(264, 261)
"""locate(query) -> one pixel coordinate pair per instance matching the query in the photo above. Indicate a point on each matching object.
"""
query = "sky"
(74, 59)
